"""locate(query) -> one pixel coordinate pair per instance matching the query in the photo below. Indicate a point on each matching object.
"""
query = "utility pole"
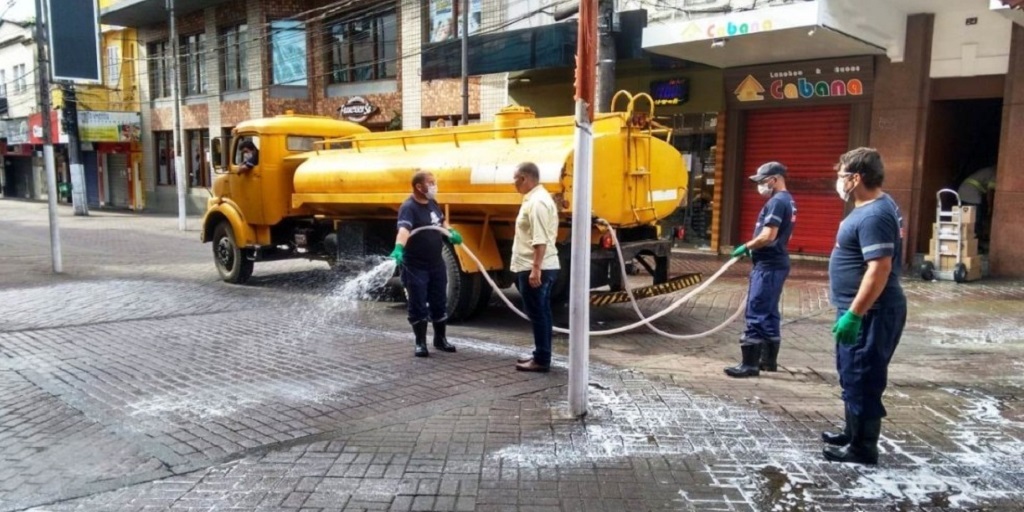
(69, 118)
(605, 80)
(179, 160)
(465, 62)
(606, 55)
(579, 268)
(42, 54)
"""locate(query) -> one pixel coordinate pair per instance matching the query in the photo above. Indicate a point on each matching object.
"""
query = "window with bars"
(159, 58)
(113, 66)
(364, 49)
(193, 64)
(20, 79)
(234, 71)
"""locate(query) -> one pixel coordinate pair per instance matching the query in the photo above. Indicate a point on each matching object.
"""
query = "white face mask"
(432, 191)
(841, 189)
(764, 189)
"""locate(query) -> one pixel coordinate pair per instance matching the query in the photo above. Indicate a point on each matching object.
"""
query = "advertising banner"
(109, 126)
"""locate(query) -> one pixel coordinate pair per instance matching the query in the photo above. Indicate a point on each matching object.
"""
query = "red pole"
(586, 55)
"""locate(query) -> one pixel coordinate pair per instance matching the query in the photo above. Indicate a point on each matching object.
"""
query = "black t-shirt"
(424, 249)
(778, 212)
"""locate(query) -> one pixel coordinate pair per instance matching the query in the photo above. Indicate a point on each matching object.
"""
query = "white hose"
(643, 320)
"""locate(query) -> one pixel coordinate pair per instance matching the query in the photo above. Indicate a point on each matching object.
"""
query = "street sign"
(74, 40)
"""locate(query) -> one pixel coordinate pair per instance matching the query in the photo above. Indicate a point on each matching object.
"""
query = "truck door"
(247, 177)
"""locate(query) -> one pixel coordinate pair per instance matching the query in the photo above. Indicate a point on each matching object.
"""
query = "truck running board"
(672, 285)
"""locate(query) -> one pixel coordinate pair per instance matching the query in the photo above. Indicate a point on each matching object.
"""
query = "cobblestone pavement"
(138, 381)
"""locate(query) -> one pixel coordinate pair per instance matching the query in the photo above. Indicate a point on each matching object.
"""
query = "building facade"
(22, 175)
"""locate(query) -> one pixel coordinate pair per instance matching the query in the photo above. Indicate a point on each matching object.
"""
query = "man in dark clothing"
(864, 282)
(762, 338)
(424, 274)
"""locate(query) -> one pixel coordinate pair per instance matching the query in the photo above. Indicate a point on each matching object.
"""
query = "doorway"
(962, 139)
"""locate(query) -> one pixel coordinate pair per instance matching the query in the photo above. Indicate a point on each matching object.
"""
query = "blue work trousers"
(537, 303)
(427, 290)
(864, 367)
(764, 321)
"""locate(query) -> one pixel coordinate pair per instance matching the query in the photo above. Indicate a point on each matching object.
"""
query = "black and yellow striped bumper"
(672, 285)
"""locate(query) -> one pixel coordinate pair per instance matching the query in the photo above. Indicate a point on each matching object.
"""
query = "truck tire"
(485, 298)
(232, 261)
(463, 288)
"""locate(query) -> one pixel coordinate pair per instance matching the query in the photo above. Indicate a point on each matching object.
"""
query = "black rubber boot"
(863, 447)
(440, 340)
(420, 329)
(839, 438)
(749, 366)
(770, 356)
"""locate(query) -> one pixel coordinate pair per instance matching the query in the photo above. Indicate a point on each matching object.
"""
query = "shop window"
(288, 52)
(198, 143)
(163, 142)
(160, 70)
(193, 64)
(234, 71)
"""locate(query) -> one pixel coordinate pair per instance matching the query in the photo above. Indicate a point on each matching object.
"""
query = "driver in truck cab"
(250, 156)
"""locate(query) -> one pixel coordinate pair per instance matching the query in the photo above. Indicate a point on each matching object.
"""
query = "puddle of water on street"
(992, 333)
(789, 476)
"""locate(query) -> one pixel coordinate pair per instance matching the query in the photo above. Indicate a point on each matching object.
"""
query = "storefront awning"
(818, 29)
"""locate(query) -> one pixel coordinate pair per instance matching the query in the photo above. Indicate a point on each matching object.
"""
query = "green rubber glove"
(847, 328)
(740, 251)
(398, 254)
(454, 236)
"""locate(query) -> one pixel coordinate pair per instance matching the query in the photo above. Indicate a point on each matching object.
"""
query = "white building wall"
(12, 54)
(412, 84)
(959, 49)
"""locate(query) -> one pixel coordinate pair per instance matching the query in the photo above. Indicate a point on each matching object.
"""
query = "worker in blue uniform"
(864, 282)
(762, 337)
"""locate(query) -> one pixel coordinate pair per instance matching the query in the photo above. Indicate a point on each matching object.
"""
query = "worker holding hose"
(424, 273)
(762, 338)
(864, 284)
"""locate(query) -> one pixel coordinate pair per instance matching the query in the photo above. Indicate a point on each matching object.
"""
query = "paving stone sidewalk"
(139, 382)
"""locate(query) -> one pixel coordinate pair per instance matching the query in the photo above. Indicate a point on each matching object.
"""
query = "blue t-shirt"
(424, 249)
(778, 212)
(869, 232)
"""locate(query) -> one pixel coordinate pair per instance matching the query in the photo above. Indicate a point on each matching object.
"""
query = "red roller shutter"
(808, 141)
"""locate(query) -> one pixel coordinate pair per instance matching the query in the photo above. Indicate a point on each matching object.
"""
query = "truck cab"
(250, 216)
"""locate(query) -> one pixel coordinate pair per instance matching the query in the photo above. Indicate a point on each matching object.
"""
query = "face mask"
(431, 191)
(841, 189)
(764, 190)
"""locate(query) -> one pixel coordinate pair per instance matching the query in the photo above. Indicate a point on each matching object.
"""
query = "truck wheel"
(960, 273)
(928, 271)
(463, 288)
(232, 263)
(485, 297)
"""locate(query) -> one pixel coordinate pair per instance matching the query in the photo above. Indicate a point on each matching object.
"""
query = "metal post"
(465, 62)
(579, 269)
(179, 161)
(42, 54)
(78, 186)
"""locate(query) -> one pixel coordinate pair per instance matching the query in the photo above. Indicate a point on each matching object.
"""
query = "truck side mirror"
(218, 158)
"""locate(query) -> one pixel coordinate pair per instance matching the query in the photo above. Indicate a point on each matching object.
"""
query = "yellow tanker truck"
(329, 190)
